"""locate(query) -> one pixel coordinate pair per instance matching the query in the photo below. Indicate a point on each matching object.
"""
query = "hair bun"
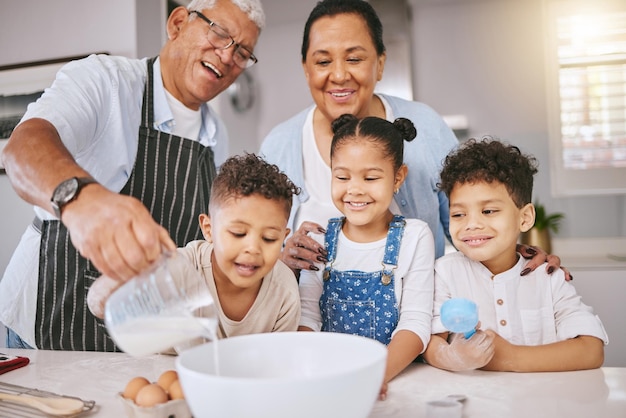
(406, 128)
(342, 121)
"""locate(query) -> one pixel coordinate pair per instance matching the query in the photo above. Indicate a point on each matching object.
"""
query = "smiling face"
(342, 66)
(193, 70)
(247, 234)
(363, 182)
(485, 223)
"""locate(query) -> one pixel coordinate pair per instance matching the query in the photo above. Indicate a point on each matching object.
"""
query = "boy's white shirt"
(534, 309)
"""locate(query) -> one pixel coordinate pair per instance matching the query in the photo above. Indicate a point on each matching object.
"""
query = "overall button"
(503, 322)
(500, 302)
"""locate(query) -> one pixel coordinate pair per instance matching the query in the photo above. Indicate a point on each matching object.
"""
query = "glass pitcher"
(154, 311)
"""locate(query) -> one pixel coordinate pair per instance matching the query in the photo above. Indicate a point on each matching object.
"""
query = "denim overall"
(358, 302)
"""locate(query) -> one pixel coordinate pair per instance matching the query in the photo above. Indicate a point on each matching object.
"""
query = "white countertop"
(599, 393)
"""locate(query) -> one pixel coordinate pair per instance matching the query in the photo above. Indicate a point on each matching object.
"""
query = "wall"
(33, 29)
(283, 89)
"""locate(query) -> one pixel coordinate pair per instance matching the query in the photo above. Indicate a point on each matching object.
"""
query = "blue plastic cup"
(460, 315)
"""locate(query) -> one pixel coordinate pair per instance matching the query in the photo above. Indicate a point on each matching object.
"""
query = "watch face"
(65, 191)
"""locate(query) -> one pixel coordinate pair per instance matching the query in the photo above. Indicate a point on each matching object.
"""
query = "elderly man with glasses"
(118, 157)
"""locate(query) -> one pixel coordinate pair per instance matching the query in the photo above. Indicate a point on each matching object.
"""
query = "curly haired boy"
(534, 323)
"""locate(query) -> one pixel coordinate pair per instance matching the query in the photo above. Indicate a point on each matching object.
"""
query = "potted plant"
(539, 234)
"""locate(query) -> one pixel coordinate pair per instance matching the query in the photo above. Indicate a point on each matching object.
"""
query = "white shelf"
(591, 253)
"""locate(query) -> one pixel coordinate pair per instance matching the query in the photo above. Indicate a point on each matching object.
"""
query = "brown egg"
(151, 395)
(134, 385)
(176, 391)
(166, 379)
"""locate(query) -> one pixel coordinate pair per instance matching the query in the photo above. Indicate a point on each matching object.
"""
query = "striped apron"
(172, 176)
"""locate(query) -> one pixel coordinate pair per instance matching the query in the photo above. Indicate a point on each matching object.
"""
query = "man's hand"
(301, 252)
(116, 232)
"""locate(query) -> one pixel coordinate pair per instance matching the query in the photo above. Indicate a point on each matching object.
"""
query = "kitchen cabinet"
(605, 291)
(599, 269)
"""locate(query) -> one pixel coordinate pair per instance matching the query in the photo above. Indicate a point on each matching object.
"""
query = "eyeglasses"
(219, 38)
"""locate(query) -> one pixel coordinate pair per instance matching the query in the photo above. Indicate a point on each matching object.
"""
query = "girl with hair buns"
(378, 281)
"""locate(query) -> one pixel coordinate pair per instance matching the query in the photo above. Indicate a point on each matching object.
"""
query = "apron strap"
(37, 224)
(147, 107)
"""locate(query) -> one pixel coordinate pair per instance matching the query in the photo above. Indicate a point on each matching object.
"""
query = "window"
(586, 60)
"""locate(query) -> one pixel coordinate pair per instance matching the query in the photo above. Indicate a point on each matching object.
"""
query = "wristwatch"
(67, 191)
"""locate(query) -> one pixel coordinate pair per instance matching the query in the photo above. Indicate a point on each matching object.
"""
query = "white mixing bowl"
(284, 375)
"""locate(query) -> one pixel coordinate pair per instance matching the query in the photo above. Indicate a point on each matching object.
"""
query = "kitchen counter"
(599, 393)
(587, 254)
(591, 254)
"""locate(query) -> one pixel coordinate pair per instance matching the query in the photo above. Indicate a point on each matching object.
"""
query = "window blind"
(591, 50)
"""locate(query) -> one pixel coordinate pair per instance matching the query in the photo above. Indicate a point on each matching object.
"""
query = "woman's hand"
(537, 257)
(301, 252)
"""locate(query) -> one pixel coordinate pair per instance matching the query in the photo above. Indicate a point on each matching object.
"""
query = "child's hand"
(461, 354)
(383, 391)
(475, 352)
(99, 292)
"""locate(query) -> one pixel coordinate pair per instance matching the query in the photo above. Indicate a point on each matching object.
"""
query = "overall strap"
(332, 234)
(394, 239)
(392, 248)
(330, 242)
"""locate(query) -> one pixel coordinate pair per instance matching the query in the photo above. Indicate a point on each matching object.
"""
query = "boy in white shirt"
(532, 323)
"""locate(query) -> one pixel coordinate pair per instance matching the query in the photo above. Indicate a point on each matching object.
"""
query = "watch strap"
(83, 181)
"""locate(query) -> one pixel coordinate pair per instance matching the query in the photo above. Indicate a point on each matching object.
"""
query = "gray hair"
(252, 8)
